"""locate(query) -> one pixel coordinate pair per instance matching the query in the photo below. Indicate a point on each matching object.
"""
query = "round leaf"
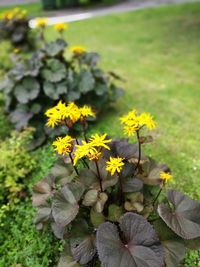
(184, 217)
(140, 245)
(27, 90)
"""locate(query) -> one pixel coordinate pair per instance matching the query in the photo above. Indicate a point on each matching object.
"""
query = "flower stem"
(99, 175)
(75, 168)
(84, 131)
(121, 189)
(139, 145)
(157, 196)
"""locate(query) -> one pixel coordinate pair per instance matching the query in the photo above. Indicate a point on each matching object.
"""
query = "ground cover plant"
(160, 59)
(113, 210)
(34, 84)
(14, 26)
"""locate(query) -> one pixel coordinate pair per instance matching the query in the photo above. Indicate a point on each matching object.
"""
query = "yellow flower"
(131, 116)
(63, 145)
(130, 130)
(60, 27)
(133, 122)
(52, 122)
(114, 165)
(53, 117)
(91, 149)
(83, 151)
(100, 140)
(16, 50)
(78, 50)
(147, 120)
(94, 155)
(86, 111)
(165, 176)
(41, 22)
(72, 112)
(61, 112)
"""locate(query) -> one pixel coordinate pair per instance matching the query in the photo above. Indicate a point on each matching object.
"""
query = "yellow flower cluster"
(78, 50)
(15, 13)
(91, 149)
(41, 22)
(67, 113)
(165, 176)
(115, 165)
(63, 145)
(133, 122)
(60, 27)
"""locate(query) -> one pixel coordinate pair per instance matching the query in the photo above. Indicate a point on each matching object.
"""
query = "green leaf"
(20, 118)
(184, 217)
(27, 90)
(54, 71)
(54, 91)
(91, 59)
(140, 245)
(56, 47)
(114, 213)
(64, 207)
(87, 81)
(96, 218)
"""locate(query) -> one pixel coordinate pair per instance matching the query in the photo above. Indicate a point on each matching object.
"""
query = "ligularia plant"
(107, 201)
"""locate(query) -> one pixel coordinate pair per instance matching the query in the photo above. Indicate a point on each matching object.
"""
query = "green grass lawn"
(157, 51)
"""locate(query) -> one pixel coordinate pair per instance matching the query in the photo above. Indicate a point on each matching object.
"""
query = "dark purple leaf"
(184, 217)
(136, 246)
(64, 207)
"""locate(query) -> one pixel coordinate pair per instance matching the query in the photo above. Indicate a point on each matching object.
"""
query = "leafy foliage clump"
(16, 164)
(21, 244)
(36, 84)
(108, 202)
(14, 26)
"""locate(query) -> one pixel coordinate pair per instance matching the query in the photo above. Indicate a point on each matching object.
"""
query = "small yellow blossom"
(16, 50)
(84, 150)
(60, 113)
(147, 120)
(41, 22)
(165, 176)
(72, 112)
(92, 149)
(100, 140)
(130, 130)
(63, 145)
(86, 111)
(114, 165)
(78, 50)
(133, 122)
(52, 122)
(60, 27)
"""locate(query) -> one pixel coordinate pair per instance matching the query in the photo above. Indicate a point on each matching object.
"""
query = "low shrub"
(14, 26)
(16, 164)
(36, 84)
(108, 201)
(20, 242)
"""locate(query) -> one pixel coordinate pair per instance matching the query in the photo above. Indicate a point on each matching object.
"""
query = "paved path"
(70, 15)
(16, 2)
